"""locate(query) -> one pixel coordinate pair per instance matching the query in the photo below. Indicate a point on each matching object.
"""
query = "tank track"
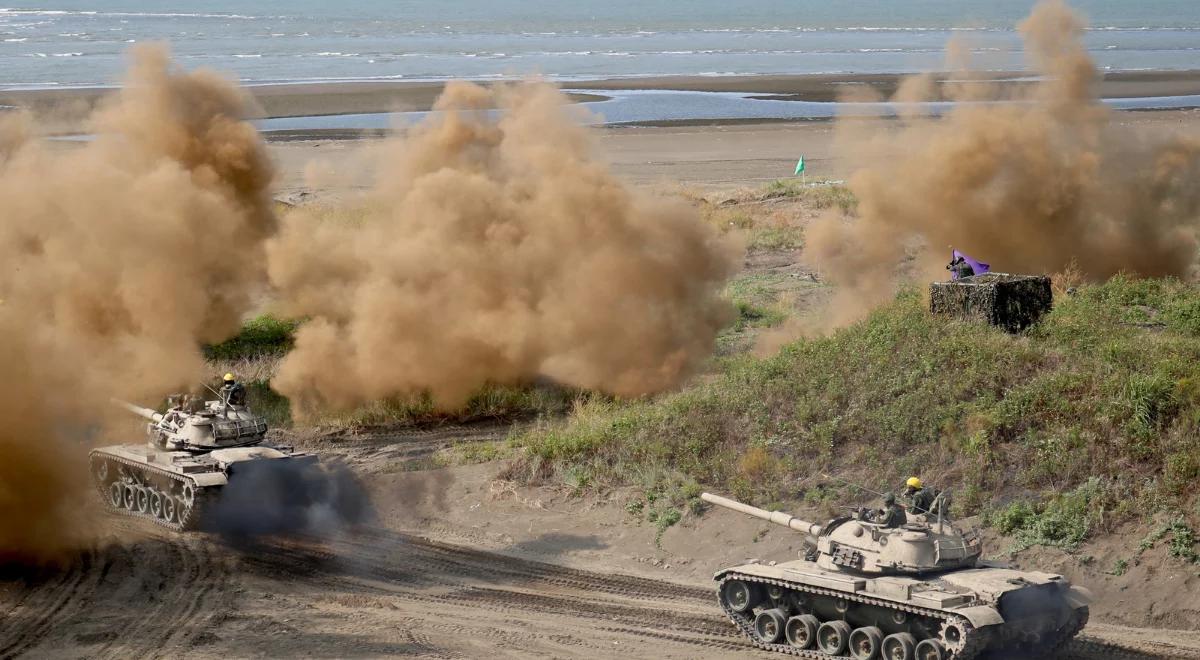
(185, 520)
(973, 642)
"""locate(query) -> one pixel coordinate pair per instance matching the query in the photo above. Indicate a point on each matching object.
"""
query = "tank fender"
(1079, 596)
(210, 479)
(242, 454)
(981, 615)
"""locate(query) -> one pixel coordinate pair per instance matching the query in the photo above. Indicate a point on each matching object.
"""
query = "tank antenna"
(852, 484)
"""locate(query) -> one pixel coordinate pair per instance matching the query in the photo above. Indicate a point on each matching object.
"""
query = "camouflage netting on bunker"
(1012, 302)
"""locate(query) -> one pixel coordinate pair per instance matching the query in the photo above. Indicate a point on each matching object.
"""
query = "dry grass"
(772, 217)
(250, 369)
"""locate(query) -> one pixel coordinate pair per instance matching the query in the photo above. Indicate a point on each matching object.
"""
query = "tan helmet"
(913, 482)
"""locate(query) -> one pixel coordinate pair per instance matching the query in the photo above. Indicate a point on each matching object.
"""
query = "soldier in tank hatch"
(891, 515)
(920, 499)
(232, 392)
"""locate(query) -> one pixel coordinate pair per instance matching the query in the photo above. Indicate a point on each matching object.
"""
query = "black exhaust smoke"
(270, 497)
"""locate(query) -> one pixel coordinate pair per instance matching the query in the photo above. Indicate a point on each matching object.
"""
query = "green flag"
(800, 165)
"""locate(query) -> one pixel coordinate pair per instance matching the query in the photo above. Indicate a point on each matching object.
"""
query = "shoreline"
(286, 99)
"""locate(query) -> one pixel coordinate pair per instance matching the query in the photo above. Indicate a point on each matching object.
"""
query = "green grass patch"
(785, 237)
(750, 315)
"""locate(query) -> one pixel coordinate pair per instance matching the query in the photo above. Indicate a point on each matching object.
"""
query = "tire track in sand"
(183, 581)
(45, 606)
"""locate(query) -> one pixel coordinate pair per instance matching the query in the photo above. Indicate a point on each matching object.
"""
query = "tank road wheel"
(742, 597)
(188, 495)
(142, 495)
(156, 506)
(833, 637)
(930, 649)
(769, 625)
(116, 494)
(901, 646)
(101, 472)
(801, 631)
(130, 497)
(865, 643)
(168, 508)
(183, 512)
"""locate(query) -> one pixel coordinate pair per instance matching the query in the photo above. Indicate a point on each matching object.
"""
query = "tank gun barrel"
(140, 411)
(777, 517)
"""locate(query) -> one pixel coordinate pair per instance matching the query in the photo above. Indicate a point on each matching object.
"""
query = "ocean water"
(73, 42)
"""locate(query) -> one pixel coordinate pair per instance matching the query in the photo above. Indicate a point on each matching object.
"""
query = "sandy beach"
(708, 157)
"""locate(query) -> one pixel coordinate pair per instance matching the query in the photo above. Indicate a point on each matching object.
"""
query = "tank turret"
(191, 424)
(918, 590)
(194, 448)
(869, 548)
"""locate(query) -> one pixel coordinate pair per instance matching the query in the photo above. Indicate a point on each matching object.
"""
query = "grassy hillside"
(1088, 420)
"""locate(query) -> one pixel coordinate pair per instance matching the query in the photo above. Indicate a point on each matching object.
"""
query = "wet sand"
(306, 99)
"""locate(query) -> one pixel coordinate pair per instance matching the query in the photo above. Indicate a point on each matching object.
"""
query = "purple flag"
(978, 266)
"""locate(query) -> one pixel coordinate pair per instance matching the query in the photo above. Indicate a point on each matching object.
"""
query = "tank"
(193, 449)
(920, 590)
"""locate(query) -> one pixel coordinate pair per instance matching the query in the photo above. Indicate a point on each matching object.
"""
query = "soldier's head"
(889, 499)
(229, 379)
(912, 485)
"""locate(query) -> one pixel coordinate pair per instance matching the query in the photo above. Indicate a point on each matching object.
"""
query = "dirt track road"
(377, 593)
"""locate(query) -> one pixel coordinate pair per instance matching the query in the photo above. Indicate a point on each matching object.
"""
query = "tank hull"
(173, 488)
(960, 614)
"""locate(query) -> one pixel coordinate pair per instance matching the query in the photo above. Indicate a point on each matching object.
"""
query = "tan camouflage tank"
(920, 590)
(193, 450)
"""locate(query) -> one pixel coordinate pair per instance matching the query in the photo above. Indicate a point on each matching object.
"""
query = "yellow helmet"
(913, 482)
(229, 379)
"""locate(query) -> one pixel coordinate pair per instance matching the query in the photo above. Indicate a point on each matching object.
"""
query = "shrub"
(1064, 522)
(262, 335)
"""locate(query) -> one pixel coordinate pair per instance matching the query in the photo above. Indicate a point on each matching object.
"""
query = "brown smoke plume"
(495, 249)
(1028, 186)
(117, 258)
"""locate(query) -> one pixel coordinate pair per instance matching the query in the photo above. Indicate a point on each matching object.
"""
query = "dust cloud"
(495, 249)
(1030, 185)
(118, 257)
